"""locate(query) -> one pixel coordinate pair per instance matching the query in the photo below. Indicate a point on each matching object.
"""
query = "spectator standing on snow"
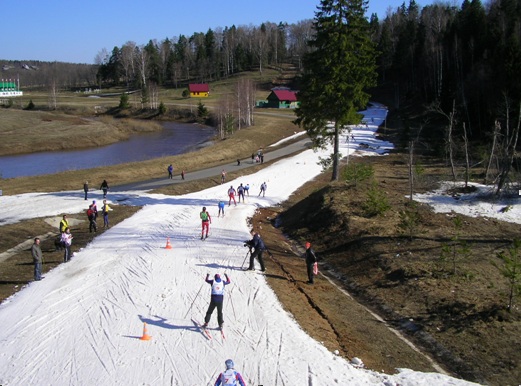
(86, 189)
(105, 187)
(221, 208)
(311, 259)
(170, 171)
(217, 298)
(67, 242)
(231, 195)
(263, 188)
(105, 209)
(240, 192)
(206, 221)
(36, 252)
(258, 248)
(92, 219)
(230, 376)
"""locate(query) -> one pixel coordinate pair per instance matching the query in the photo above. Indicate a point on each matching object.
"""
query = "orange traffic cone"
(168, 245)
(145, 333)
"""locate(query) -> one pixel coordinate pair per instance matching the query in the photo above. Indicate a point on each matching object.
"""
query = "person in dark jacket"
(105, 187)
(311, 259)
(86, 188)
(217, 298)
(258, 247)
(36, 252)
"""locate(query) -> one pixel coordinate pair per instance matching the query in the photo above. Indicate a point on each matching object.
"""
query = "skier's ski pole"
(191, 305)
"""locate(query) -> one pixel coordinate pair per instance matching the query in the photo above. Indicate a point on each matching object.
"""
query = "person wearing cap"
(217, 298)
(206, 221)
(311, 259)
(230, 376)
(258, 247)
(95, 210)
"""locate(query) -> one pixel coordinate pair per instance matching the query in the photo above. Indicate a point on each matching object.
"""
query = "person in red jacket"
(231, 194)
(230, 376)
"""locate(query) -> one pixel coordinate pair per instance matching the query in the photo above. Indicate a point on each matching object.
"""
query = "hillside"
(458, 318)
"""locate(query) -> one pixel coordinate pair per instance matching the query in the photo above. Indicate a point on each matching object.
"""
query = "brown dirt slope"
(457, 318)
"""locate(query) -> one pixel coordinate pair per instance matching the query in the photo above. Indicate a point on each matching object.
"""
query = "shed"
(199, 90)
(283, 99)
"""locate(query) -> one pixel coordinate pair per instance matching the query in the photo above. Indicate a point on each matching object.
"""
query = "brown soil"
(458, 319)
(17, 268)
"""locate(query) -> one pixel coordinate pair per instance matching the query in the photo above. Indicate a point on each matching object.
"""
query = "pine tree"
(337, 73)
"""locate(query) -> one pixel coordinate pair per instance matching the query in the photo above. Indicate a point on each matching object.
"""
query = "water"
(176, 138)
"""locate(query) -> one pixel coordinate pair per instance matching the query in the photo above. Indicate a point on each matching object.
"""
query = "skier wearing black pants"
(258, 248)
(217, 298)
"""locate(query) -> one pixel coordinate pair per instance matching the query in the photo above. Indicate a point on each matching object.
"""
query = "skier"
(247, 189)
(231, 195)
(206, 221)
(263, 188)
(230, 376)
(170, 171)
(311, 259)
(217, 298)
(221, 208)
(105, 187)
(258, 248)
(240, 192)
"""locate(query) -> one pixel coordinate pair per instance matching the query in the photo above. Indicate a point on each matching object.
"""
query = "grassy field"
(73, 123)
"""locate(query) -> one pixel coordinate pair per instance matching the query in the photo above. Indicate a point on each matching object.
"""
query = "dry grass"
(267, 130)
(29, 131)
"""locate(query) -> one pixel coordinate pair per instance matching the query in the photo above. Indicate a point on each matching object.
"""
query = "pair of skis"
(205, 332)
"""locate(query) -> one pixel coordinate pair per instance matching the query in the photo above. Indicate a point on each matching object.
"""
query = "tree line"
(204, 57)
(468, 57)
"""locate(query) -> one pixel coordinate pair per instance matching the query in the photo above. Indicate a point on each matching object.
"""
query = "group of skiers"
(242, 191)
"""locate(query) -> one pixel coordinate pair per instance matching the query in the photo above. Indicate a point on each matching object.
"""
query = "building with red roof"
(283, 98)
(199, 90)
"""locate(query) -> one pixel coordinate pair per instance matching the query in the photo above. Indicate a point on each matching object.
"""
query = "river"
(176, 138)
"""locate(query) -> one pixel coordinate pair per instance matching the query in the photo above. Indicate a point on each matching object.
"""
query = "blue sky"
(76, 30)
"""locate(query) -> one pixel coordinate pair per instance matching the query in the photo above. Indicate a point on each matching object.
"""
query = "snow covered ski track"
(82, 324)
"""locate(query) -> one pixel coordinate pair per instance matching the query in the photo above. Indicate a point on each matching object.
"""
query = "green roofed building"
(8, 88)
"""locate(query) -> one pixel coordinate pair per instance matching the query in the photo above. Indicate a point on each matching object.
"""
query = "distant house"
(282, 98)
(199, 90)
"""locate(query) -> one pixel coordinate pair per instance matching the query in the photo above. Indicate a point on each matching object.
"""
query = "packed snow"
(82, 323)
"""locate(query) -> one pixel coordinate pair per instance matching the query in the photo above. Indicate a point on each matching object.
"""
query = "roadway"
(215, 171)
